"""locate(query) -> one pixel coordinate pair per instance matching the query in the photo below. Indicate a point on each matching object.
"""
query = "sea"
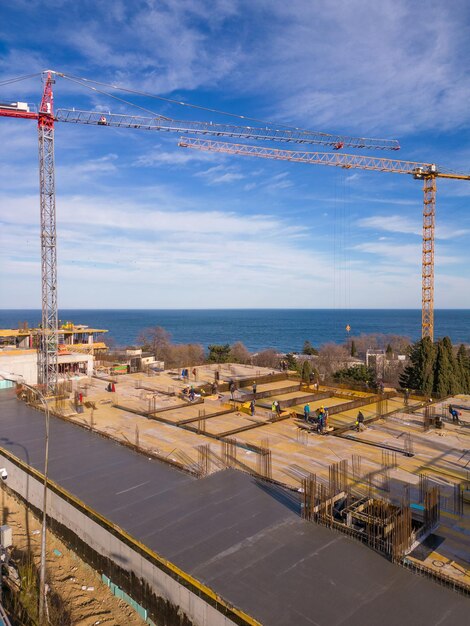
(282, 329)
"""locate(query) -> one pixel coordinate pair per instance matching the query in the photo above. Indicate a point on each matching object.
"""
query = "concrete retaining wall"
(173, 595)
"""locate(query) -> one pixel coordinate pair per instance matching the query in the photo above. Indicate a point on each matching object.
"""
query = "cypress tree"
(389, 352)
(447, 377)
(306, 371)
(419, 374)
(463, 364)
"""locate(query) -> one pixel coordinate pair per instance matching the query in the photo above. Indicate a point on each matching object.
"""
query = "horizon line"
(239, 309)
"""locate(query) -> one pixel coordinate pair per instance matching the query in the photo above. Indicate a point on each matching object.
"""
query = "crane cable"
(185, 104)
(342, 248)
(110, 95)
(9, 81)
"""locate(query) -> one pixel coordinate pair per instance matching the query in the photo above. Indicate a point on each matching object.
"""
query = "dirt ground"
(88, 601)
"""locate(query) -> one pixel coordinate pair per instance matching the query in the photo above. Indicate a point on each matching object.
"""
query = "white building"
(77, 346)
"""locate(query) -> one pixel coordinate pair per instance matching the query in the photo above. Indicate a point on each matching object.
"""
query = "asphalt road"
(242, 537)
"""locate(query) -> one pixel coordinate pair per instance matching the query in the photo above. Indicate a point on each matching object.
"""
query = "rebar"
(423, 486)
(201, 426)
(229, 452)
(408, 445)
(431, 508)
(356, 467)
(427, 417)
(302, 436)
(204, 459)
(264, 460)
(458, 499)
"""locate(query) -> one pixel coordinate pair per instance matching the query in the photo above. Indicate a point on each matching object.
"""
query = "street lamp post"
(42, 566)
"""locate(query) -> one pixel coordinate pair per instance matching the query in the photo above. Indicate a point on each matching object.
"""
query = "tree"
(331, 358)
(419, 374)
(194, 354)
(219, 353)
(110, 342)
(353, 348)
(239, 353)
(292, 363)
(389, 352)
(356, 374)
(309, 349)
(155, 340)
(267, 358)
(463, 364)
(306, 371)
(379, 341)
(447, 375)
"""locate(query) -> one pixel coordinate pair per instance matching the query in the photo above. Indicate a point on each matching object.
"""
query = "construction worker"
(406, 396)
(254, 388)
(454, 413)
(360, 421)
(307, 412)
(252, 407)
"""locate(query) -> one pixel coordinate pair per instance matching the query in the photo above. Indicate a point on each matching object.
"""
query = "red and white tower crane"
(47, 352)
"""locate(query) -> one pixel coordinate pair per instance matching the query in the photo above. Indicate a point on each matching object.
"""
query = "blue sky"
(145, 224)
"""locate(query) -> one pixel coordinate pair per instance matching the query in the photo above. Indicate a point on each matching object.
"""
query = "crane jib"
(99, 118)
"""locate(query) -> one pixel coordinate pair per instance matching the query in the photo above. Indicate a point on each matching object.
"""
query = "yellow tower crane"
(427, 172)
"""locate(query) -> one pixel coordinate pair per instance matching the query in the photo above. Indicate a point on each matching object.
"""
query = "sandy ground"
(88, 600)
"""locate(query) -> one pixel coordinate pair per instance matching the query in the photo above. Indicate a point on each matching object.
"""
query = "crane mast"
(428, 172)
(427, 288)
(47, 353)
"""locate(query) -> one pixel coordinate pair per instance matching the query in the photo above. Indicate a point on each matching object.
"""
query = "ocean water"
(283, 329)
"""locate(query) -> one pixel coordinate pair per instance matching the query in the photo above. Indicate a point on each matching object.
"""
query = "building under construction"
(77, 347)
(199, 513)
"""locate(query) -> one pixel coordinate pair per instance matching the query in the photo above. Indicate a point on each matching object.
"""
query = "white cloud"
(405, 254)
(221, 174)
(368, 65)
(401, 224)
(158, 157)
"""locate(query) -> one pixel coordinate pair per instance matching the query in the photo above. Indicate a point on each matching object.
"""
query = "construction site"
(203, 506)
(394, 492)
